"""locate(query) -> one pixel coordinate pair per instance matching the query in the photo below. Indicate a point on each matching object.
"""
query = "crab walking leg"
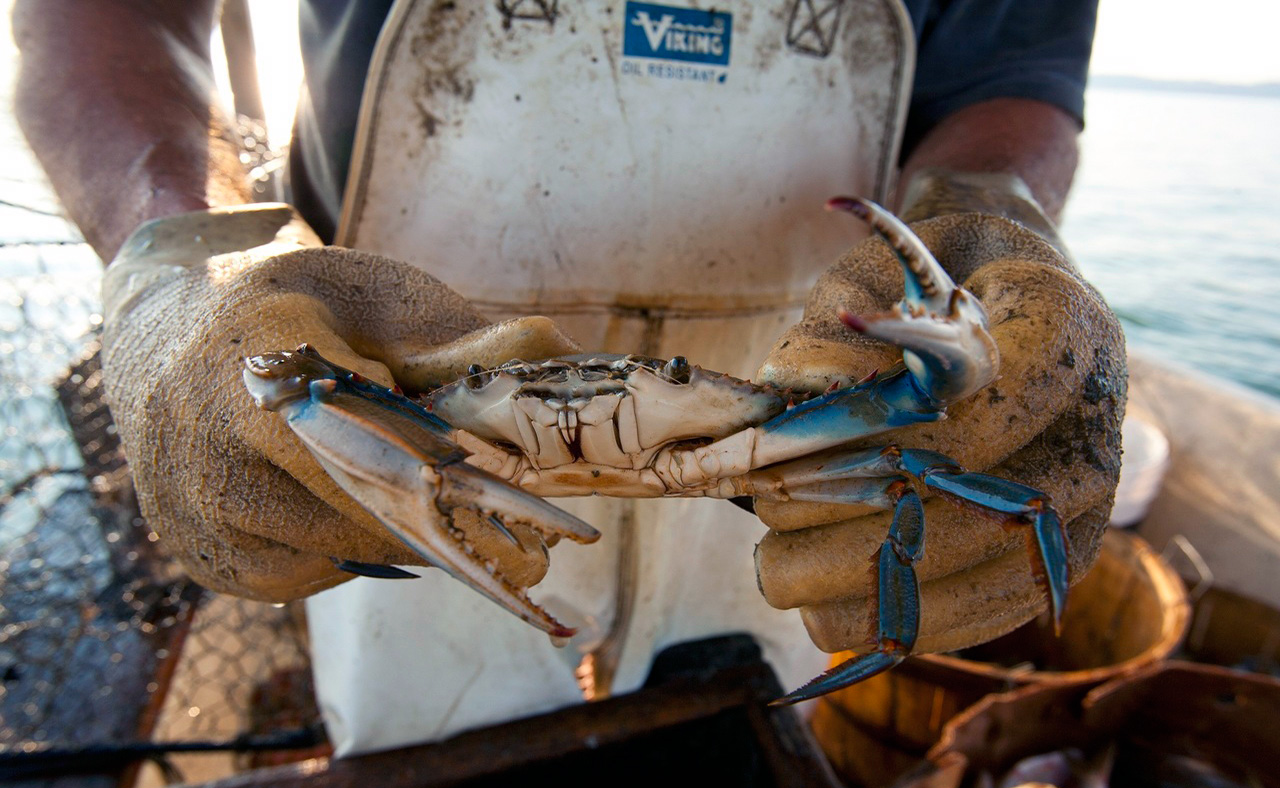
(404, 473)
(897, 600)
(874, 477)
(1016, 505)
(867, 476)
(884, 403)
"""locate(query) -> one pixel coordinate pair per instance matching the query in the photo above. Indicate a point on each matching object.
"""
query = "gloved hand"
(227, 485)
(1051, 420)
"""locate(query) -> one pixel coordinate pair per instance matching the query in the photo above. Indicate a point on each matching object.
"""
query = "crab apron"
(651, 177)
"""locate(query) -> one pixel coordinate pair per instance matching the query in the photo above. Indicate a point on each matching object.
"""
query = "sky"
(1231, 41)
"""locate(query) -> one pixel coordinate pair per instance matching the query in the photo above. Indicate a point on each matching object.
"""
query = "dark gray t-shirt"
(967, 51)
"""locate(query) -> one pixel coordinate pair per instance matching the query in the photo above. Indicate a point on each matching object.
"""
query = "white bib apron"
(652, 177)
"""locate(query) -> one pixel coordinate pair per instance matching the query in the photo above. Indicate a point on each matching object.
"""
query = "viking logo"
(684, 34)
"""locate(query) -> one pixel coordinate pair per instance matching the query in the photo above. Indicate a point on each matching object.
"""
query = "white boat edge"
(1221, 491)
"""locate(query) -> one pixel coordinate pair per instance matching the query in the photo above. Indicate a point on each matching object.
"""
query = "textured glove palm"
(1051, 420)
(229, 488)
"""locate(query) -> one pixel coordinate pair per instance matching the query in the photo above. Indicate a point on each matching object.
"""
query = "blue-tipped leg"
(897, 598)
(379, 571)
(898, 589)
(897, 601)
(1054, 550)
(1017, 506)
(846, 674)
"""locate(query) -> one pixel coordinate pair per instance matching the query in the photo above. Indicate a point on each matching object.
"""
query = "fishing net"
(107, 652)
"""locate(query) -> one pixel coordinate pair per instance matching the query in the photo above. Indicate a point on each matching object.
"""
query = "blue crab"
(500, 439)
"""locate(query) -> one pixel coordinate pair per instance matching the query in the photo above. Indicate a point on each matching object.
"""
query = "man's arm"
(119, 104)
(1008, 157)
(1031, 139)
(118, 101)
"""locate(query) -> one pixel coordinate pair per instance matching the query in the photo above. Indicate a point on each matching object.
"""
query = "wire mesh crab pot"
(108, 655)
(1129, 612)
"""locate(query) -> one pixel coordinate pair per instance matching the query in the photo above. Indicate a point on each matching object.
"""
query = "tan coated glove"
(229, 488)
(1051, 420)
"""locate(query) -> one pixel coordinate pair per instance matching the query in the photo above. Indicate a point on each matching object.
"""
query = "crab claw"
(941, 327)
(395, 460)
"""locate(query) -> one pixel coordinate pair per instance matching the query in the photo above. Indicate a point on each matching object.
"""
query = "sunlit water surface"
(1175, 218)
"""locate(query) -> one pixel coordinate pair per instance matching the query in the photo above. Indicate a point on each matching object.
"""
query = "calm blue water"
(1175, 216)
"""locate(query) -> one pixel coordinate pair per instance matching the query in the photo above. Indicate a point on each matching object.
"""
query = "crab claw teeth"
(446, 547)
(951, 358)
(927, 285)
(471, 488)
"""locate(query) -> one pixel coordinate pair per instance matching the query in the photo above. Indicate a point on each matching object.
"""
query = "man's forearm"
(1030, 139)
(118, 102)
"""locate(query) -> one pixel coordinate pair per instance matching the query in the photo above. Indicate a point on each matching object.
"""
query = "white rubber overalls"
(652, 177)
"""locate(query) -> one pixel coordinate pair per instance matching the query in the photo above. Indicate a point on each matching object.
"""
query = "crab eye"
(677, 369)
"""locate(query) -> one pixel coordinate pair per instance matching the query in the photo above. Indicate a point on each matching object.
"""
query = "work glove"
(228, 486)
(1051, 420)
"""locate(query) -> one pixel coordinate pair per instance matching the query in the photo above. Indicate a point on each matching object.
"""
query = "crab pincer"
(948, 355)
(397, 461)
(941, 327)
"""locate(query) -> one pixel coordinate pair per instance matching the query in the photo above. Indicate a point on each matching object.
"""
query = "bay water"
(1175, 216)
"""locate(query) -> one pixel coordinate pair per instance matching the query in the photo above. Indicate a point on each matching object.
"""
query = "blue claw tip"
(843, 675)
(1055, 562)
(379, 571)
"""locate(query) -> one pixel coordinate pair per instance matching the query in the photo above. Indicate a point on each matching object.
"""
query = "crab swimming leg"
(395, 460)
